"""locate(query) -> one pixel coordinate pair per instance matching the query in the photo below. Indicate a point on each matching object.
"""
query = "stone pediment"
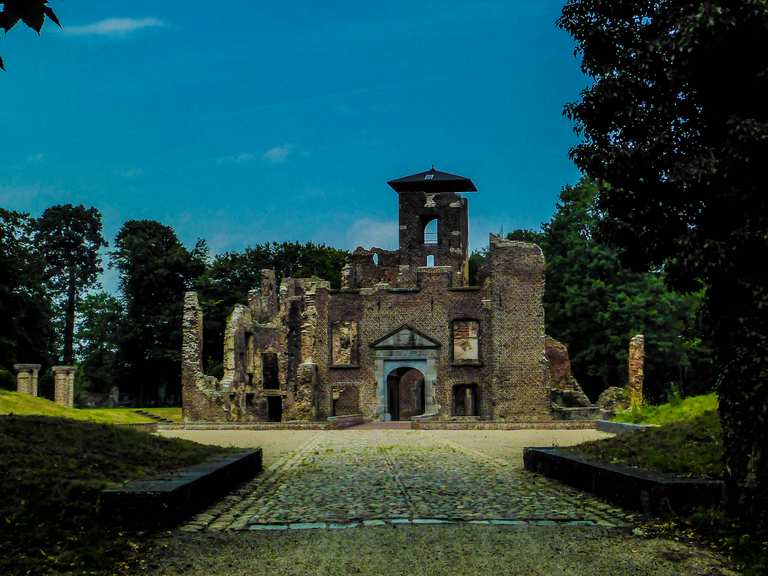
(405, 337)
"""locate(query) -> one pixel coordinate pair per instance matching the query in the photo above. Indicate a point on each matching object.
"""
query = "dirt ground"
(430, 550)
(503, 444)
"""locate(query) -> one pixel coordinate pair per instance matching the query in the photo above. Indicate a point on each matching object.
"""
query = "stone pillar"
(636, 370)
(64, 385)
(26, 378)
(301, 405)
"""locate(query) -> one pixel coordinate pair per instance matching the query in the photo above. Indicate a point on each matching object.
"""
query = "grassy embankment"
(26, 405)
(52, 472)
(688, 443)
(677, 410)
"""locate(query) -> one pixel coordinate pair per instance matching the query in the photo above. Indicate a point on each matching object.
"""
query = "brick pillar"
(64, 385)
(636, 370)
(26, 378)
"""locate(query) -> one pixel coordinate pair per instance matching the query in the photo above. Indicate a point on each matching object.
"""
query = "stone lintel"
(26, 367)
(63, 369)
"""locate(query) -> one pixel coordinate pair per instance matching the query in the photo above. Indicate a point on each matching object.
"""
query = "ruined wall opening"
(274, 408)
(465, 400)
(431, 231)
(406, 393)
(466, 341)
(375, 259)
(270, 379)
(344, 343)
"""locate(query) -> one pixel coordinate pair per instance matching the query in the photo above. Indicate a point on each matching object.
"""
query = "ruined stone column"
(636, 370)
(26, 378)
(302, 405)
(64, 385)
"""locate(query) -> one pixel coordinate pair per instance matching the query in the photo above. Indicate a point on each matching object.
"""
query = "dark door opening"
(465, 400)
(274, 408)
(269, 371)
(405, 391)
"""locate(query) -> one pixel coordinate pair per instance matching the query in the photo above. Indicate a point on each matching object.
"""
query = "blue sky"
(283, 120)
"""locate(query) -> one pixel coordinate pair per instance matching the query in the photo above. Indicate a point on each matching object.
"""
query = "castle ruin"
(404, 338)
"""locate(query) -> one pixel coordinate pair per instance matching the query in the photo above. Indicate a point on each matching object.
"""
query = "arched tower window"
(430, 231)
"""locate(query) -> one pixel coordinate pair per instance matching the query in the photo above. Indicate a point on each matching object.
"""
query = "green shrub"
(677, 410)
(7, 380)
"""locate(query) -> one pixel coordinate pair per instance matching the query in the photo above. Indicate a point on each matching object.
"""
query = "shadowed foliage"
(675, 124)
(69, 239)
(53, 470)
(30, 12)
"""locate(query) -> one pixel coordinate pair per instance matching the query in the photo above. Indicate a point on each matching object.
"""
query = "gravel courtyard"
(319, 479)
(417, 502)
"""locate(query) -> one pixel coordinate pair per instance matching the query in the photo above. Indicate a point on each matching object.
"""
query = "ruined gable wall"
(380, 311)
(202, 397)
(365, 273)
(520, 370)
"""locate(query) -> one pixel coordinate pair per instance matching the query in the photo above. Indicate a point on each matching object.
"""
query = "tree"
(25, 305)
(69, 237)
(155, 270)
(31, 12)
(595, 304)
(676, 125)
(526, 235)
(96, 335)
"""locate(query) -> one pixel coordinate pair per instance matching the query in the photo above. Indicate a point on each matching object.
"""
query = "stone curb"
(393, 522)
(621, 427)
(314, 425)
(165, 502)
(649, 492)
(504, 425)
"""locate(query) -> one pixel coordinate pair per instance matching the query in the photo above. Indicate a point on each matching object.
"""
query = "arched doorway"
(405, 393)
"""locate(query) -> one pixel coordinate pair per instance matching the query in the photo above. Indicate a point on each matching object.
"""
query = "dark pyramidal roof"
(433, 181)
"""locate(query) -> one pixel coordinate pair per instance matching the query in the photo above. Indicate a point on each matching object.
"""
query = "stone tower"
(434, 228)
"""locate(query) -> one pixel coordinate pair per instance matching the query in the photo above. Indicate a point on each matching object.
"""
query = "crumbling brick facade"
(400, 339)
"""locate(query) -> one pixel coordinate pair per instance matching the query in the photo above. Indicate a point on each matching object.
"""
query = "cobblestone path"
(346, 478)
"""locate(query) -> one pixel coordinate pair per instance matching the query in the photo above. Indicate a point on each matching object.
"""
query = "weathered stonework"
(566, 391)
(64, 385)
(26, 378)
(613, 399)
(398, 340)
(636, 366)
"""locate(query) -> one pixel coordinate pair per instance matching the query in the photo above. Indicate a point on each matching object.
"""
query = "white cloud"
(367, 232)
(114, 27)
(240, 158)
(277, 154)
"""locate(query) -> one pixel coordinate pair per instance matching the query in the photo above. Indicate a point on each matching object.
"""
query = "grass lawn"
(172, 413)
(26, 405)
(675, 411)
(690, 448)
(52, 472)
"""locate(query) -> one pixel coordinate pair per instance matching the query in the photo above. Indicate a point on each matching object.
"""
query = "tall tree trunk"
(69, 328)
(737, 305)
